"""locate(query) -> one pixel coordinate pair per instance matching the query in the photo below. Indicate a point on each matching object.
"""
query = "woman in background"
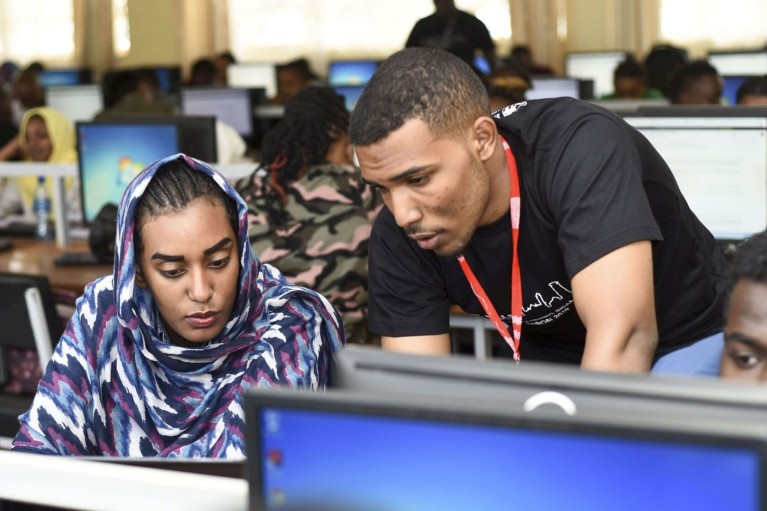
(310, 210)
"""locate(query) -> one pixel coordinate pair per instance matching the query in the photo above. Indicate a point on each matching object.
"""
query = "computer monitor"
(169, 77)
(730, 86)
(348, 450)
(739, 62)
(233, 106)
(348, 73)
(77, 102)
(196, 133)
(255, 75)
(65, 76)
(595, 65)
(112, 153)
(553, 88)
(720, 163)
(629, 106)
(351, 94)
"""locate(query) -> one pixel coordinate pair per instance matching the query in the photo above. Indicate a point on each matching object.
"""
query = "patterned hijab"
(151, 397)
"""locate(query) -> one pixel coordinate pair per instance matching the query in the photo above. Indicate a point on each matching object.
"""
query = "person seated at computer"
(521, 57)
(698, 83)
(745, 332)
(203, 73)
(292, 78)
(222, 61)
(661, 64)
(630, 82)
(27, 92)
(508, 87)
(158, 356)
(310, 210)
(46, 135)
(753, 92)
(133, 91)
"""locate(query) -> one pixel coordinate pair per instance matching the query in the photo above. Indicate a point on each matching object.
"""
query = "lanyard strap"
(516, 277)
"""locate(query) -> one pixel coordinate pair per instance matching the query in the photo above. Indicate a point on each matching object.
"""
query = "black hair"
(686, 78)
(661, 64)
(750, 261)
(173, 187)
(314, 118)
(754, 86)
(203, 72)
(418, 83)
(301, 67)
(629, 68)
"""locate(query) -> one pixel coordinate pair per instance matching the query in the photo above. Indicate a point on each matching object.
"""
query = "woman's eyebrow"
(177, 258)
(218, 246)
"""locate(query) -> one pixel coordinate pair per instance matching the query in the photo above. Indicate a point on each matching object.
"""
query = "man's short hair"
(418, 83)
(754, 86)
(750, 260)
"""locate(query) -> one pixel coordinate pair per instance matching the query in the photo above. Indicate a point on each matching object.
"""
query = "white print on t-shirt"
(508, 110)
(556, 304)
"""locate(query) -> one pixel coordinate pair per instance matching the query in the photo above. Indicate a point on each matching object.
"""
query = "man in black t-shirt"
(616, 271)
(455, 31)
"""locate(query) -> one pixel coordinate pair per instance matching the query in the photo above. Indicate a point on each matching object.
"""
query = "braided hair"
(314, 118)
(173, 187)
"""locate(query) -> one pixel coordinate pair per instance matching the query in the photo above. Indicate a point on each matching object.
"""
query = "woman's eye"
(744, 359)
(220, 263)
(172, 274)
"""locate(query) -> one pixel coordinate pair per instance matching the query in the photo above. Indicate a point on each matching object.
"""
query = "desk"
(73, 483)
(29, 255)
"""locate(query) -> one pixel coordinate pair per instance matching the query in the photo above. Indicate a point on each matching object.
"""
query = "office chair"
(29, 322)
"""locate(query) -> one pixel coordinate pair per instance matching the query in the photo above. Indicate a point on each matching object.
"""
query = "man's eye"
(417, 181)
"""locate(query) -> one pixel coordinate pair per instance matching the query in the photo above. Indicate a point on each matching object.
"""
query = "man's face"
(628, 87)
(745, 335)
(436, 188)
(706, 91)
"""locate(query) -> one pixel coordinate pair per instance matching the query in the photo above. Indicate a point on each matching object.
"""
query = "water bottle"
(42, 209)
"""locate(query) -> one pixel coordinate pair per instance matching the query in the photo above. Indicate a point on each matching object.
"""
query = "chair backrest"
(28, 316)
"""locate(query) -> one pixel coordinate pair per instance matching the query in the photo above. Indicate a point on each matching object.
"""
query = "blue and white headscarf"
(118, 386)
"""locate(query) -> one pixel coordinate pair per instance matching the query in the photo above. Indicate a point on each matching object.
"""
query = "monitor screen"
(196, 133)
(730, 86)
(351, 94)
(77, 102)
(255, 75)
(169, 77)
(720, 164)
(356, 451)
(553, 88)
(739, 62)
(346, 73)
(74, 76)
(111, 154)
(597, 66)
(229, 105)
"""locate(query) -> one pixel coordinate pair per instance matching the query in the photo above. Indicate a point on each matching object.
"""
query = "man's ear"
(485, 136)
(140, 279)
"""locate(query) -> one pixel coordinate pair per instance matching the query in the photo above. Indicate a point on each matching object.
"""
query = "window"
(278, 30)
(715, 24)
(120, 28)
(37, 30)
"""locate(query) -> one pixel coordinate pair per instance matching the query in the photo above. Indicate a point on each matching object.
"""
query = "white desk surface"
(84, 485)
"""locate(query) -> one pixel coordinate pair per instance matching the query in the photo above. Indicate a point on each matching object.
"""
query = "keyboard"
(18, 230)
(77, 259)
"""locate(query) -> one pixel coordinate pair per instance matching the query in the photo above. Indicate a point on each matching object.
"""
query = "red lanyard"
(516, 282)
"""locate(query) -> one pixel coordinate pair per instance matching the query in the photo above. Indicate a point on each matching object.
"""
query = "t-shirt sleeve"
(407, 295)
(596, 192)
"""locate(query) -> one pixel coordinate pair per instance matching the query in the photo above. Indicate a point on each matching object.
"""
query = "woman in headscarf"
(157, 356)
(45, 136)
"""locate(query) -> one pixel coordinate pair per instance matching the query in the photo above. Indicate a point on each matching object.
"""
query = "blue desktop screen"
(330, 460)
(730, 86)
(111, 155)
(350, 94)
(344, 73)
(52, 77)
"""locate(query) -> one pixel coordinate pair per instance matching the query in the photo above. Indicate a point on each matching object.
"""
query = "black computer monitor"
(112, 153)
(231, 105)
(66, 76)
(351, 73)
(739, 62)
(76, 102)
(595, 65)
(196, 133)
(718, 156)
(359, 450)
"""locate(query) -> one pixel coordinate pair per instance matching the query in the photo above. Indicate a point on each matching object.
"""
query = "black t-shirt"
(460, 34)
(590, 185)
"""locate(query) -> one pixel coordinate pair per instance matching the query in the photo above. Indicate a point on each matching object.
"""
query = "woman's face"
(39, 145)
(190, 264)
